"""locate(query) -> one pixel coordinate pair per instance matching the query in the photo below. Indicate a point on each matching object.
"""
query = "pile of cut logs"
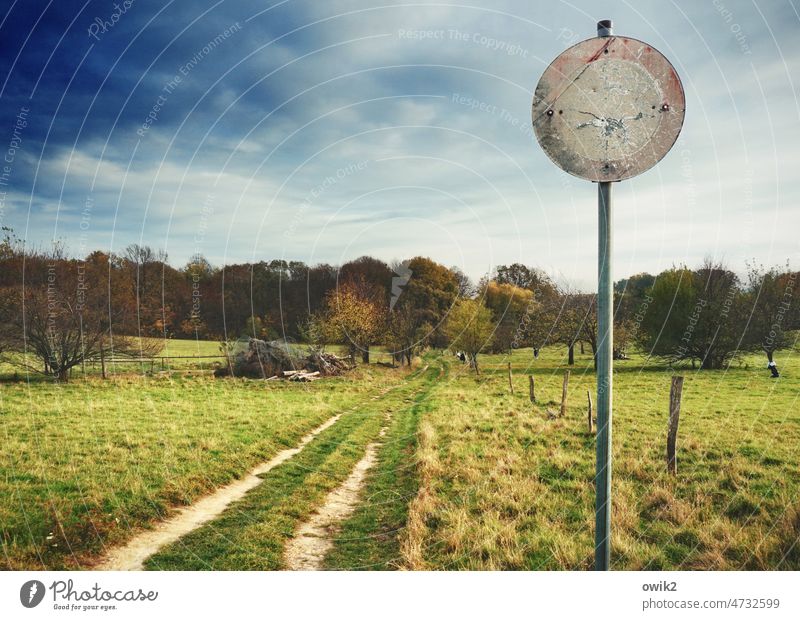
(296, 375)
(277, 359)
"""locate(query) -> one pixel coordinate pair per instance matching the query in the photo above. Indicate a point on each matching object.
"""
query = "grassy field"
(252, 533)
(505, 487)
(86, 464)
(468, 476)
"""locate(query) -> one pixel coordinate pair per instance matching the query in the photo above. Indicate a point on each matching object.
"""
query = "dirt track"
(132, 555)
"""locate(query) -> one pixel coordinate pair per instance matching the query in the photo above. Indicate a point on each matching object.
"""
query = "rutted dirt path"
(132, 555)
(314, 539)
(307, 550)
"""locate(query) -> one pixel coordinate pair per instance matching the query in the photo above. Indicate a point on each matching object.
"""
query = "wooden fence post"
(102, 361)
(564, 394)
(510, 383)
(589, 398)
(674, 416)
(532, 388)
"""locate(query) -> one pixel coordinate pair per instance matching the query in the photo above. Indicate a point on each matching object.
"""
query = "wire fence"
(157, 362)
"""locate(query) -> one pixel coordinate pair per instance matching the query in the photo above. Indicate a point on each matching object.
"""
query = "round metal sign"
(608, 108)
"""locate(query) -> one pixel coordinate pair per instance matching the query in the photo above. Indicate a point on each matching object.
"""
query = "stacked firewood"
(277, 359)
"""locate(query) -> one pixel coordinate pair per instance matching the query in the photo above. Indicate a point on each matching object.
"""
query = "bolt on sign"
(608, 108)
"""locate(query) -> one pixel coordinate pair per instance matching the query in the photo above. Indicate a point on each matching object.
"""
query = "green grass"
(189, 347)
(251, 533)
(370, 539)
(181, 352)
(85, 464)
(468, 476)
(514, 489)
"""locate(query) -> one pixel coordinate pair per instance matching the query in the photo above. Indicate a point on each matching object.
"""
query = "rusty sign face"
(608, 108)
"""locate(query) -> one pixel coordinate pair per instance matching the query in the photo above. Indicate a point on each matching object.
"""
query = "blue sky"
(322, 131)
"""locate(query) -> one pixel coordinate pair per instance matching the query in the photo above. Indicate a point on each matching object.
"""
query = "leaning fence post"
(589, 398)
(564, 394)
(532, 389)
(510, 382)
(674, 416)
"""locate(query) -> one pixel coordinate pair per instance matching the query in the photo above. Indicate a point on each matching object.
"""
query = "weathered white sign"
(608, 108)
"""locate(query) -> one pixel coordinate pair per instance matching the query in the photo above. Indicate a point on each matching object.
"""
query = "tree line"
(62, 310)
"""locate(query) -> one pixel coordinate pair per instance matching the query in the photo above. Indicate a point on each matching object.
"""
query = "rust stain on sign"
(608, 108)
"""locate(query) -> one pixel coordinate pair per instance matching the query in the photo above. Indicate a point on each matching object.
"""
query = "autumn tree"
(569, 321)
(374, 273)
(469, 328)
(405, 336)
(541, 318)
(63, 322)
(771, 299)
(427, 297)
(511, 306)
(466, 288)
(696, 315)
(354, 315)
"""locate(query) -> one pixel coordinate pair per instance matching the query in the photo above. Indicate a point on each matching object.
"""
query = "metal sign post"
(605, 110)
(605, 378)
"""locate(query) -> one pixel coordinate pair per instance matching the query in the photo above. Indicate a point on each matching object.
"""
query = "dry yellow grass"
(504, 487)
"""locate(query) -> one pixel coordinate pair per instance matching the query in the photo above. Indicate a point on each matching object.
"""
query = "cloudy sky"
(322, 131)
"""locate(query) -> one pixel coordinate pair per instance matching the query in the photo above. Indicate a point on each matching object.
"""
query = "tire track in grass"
(251, 534)
(316, 538)
(308, 549)
(132, 555)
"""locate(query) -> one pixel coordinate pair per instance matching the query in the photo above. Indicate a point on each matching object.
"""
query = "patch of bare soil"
(132, 555)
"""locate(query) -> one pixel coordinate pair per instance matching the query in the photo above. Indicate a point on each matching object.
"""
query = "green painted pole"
(605, 337)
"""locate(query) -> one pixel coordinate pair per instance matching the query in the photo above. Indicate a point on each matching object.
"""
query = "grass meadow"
(506, 487)
(85, 464)
(468, 476)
